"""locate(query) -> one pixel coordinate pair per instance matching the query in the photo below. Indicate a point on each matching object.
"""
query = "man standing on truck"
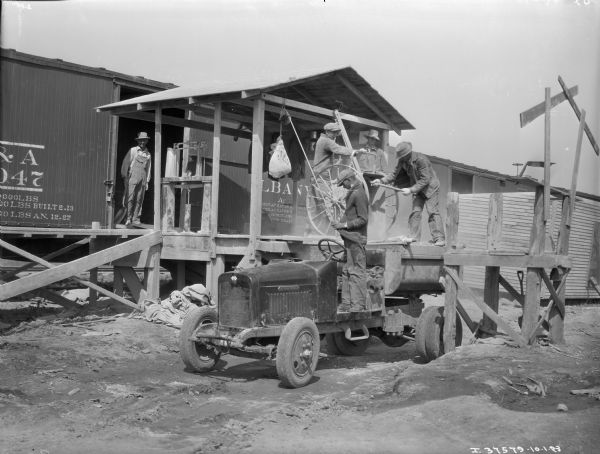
(326, 147)
(414, 174)
(135, 171)
(353, 231)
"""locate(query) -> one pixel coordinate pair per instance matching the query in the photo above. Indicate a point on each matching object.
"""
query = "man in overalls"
(136, 172)
(354, 233)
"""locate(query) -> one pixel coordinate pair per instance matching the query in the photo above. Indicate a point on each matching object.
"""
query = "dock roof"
(341, 88)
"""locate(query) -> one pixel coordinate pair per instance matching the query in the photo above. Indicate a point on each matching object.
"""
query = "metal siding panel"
(55, 109)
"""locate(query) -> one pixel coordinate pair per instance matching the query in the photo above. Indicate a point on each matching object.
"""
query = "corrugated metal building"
(59, 159)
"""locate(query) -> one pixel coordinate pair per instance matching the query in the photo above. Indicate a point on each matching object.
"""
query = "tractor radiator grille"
(283, 304)
(234, 306)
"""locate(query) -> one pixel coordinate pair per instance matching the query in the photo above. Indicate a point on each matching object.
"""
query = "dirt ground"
(104, 382)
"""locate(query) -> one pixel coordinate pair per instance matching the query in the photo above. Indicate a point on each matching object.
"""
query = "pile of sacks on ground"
(173, 310)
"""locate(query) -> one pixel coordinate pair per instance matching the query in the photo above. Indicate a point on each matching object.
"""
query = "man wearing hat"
(135, 171)
(353, 230)
(415, 175)
(326, 147)
(376, 160)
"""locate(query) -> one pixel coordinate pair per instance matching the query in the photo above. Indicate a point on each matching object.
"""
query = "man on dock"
(326, 147)
(415, 176)
(136, 174)
(354, 233)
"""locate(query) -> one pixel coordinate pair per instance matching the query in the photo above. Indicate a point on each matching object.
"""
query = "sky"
(460, 71)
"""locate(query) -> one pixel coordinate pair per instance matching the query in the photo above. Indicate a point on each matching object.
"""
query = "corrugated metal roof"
(12, 54)
(322, 89)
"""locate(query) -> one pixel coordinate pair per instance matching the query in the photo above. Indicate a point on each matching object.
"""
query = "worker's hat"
(403, 149)
(332, 127)
(344, 175)
(142, 136)
(374, 134)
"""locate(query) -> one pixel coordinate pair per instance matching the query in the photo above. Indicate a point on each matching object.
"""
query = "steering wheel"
(332, 250)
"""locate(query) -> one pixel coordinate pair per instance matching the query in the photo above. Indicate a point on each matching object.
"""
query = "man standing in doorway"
(136, 172)
(354, 233)
(415, 175)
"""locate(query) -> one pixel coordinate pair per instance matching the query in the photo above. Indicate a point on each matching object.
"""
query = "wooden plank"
(214, 268)
(133, 283)
(258, 131)
(495, 217)
(473, 327)
(153, 274)
(556, 313)
(575, 173)
(531, 308)
(64, 250)
(70, 269)
(516, 261)
(213, 208)
(560, 302)
(93, 247)
(323, 111)
(157, 165)
(112, 157)
(588, 133)
(547, 157)
(205, 222)
(356, 92)
(491, 297)
(531, 114)
(594, 263)
(55, 298)
(117, 281)
(451, 287)
(510, 289)
(484, 307)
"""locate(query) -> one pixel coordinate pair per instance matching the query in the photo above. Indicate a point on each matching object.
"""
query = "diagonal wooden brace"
(510, 289)
(560, 304)
(486, 309)
(50, 256)
(588, 132)
(71, 269)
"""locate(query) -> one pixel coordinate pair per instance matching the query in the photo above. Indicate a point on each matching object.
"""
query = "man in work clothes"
(415, 175)
(375, 160)
(135, 171)
(354, 233)
(326, 147)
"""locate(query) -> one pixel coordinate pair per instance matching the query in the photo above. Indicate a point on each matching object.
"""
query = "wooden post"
(117, 281)
(180, 274)
(258, 131)
(157, 166)
(214, 269)
(491, 290)
(547, 162)
(213, 190)
(152, 275)
(153, 272)
(113, 174)
(168, 193)
(533, 285)
(183, 199)
(452, 218)
(555, 319)
(93, 247)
